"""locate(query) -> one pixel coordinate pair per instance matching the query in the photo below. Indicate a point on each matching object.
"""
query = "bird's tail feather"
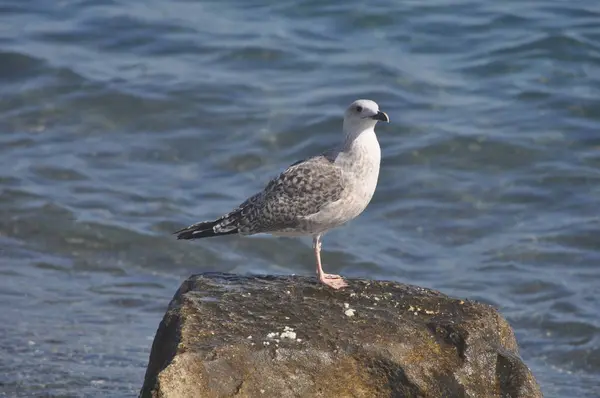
(206, 229)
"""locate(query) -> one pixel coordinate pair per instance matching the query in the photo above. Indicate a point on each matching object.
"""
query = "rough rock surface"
(225, 335)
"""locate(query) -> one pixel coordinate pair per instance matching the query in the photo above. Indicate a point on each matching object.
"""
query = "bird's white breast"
(359, 161)
(362, 160)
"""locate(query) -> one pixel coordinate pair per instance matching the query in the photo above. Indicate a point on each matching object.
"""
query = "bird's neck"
(361, 140)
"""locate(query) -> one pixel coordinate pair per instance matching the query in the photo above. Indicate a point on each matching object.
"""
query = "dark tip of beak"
(381, 116)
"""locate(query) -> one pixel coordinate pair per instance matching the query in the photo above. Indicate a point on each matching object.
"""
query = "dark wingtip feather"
(201, 230)
(195, 231)
(179, 231)
(180, 235)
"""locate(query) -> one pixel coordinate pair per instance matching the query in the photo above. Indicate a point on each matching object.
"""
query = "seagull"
(314, 195)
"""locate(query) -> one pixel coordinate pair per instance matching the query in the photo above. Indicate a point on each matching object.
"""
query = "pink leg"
(333, 281)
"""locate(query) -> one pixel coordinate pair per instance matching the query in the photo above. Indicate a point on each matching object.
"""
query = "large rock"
(225, 335)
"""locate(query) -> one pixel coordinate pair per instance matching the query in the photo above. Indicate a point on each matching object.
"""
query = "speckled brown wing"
(300, 191)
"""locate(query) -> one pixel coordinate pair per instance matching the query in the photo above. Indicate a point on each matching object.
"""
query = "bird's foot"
(333, 281)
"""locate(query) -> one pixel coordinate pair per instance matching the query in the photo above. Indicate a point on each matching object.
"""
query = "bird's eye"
(359, 109)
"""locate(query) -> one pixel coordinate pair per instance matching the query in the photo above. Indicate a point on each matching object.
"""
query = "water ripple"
(121, 122)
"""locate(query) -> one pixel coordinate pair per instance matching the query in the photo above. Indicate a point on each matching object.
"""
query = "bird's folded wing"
(300, 191)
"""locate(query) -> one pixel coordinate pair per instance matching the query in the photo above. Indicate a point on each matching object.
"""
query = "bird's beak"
(381, 116)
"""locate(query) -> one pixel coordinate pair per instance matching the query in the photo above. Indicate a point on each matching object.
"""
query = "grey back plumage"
(300, 191)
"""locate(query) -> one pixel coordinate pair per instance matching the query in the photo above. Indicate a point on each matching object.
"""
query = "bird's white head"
(362, 115)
